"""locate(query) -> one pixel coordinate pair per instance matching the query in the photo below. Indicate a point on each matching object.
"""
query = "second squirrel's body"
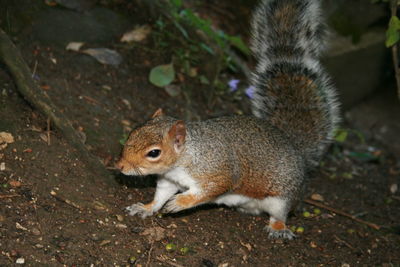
(259, 163)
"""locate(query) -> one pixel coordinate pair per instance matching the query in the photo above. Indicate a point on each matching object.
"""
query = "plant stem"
(395, 51)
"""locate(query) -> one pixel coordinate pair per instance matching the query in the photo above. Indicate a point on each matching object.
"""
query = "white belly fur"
(244, 204)
(271, 205)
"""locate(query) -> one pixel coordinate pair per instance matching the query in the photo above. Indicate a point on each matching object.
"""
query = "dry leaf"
(246, 245)
(126, 123)
(5, 139)
(317, 197)
(2, 166)
(137, 35)
(127, 103)
(20, 227)
(43, 136)
(154, 234)
(104, 55)
(74, 46)
(14, 183)
(394, 188)
(173, 90)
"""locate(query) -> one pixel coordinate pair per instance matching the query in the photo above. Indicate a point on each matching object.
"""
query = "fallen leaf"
(43, 136)
(137, 35)
(127, 103)
(2, 166)
(105, 242)
(317, 197)
(126, 122)
(6, 138)
(192, 72)
(20, 227)
(394, 188)
(154, 234)
(74, 46)
(162, 75)
(246, 245)
(99, 206)
(104, 55)
(14, 183)
(173, 90)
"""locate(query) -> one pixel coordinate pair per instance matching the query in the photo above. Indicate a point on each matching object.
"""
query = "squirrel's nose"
(119, 165)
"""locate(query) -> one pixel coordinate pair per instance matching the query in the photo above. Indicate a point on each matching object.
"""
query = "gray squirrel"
(255, 163)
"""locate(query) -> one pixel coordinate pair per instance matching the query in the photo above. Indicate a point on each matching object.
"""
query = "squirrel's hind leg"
(278, 208)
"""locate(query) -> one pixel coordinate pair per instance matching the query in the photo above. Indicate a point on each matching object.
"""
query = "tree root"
(25, 85)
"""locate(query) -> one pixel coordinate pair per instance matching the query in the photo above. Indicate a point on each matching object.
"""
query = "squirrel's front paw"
(279, 234)
(139, 209)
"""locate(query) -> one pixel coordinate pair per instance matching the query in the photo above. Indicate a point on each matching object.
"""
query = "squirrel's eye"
(154, 153)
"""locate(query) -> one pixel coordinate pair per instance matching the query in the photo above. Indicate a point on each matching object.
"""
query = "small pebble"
(20, 261)
(121, 226)
(35, 231)
(120, 218)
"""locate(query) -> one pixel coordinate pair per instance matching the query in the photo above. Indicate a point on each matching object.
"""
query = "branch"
(354, 218)
(19, 70)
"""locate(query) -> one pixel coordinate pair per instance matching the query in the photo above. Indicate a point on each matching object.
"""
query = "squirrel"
(255, 163)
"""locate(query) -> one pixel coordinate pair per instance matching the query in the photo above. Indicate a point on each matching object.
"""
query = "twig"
(164, 259)
(48, 132)
(8, 196)
(395, 197)
(66, 201)
(149, 256)
(344, 242)
(90, 99)
(320, 205)
(395, 53)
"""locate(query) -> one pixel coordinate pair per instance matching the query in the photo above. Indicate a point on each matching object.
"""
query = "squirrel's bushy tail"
(292, 90)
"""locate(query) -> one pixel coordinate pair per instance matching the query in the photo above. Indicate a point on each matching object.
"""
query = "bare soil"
(54, 212)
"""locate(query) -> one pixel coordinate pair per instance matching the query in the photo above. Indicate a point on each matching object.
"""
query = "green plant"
(393, 37)
(187, 56)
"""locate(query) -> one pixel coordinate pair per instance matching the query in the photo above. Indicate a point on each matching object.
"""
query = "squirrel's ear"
(159, 112)
(177, 134)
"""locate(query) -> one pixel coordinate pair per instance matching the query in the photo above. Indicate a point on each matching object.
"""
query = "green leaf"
(237, 42)
(207, 48)
(177, 3)
(162, 75)
(392, 33)
(203, 80)
(364, 156)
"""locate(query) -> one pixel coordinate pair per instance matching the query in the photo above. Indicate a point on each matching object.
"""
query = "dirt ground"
(55, 212)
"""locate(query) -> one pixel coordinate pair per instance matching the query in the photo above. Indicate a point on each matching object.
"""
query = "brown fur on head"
(154, 147)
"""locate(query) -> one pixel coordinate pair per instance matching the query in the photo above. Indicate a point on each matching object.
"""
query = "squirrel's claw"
(172, 206)
(279, 234)
(139, 209)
